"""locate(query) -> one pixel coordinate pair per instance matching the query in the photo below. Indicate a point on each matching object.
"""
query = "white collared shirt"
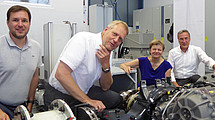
(186, 64)
(80, 55)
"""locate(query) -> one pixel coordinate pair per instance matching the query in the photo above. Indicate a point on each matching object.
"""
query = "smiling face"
(156, 51)
(184, 41)
(112, 38)
(18, 24)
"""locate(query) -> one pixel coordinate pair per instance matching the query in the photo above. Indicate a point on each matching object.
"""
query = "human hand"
(98, 105)
(104, 57)
(3, 115)
(179, 87)
(29, 107)
(126, 68)
(138, 89)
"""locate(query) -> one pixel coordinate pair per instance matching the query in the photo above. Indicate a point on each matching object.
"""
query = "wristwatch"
(106, 70)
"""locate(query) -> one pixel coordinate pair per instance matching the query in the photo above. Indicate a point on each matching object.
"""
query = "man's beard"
(18, 37)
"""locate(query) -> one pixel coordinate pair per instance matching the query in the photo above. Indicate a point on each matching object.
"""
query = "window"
(33, 1)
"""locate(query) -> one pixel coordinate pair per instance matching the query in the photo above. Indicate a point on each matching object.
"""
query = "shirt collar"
(12, 44)
(179, 49)
(98, 40)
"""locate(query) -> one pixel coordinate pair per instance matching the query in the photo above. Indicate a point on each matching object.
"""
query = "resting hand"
(3, 115)
(98, 105)
(126, 68)
(30, 107)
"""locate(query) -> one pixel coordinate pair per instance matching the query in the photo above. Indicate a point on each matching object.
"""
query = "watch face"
(106, 70)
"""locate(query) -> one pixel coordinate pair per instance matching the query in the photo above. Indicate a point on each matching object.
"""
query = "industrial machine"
(59, 110)
(161, 101)
(99, 17)
(156, 20)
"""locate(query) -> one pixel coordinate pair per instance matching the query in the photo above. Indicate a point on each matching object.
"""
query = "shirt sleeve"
(74, 52)
(171, 61)
(205, 58)
(38, 49)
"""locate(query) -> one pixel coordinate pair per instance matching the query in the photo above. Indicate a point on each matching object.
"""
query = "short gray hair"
(182, 31)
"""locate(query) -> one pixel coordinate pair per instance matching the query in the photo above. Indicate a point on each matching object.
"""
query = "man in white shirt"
(84, 60)
(185, 60)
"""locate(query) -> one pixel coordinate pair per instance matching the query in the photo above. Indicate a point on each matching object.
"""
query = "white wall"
(191, 17)
(209, 27)
(57, 12)
(155, 3)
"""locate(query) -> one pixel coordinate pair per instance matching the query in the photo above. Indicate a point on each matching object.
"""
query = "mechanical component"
(126, 94)
(39, 96)
(193, 104)
(131, 100)
(21, 113)
(87, 113)
(90, 113)
(207, 78)
(158, 102)
(59, 111)
(151, 100)
(128, 98)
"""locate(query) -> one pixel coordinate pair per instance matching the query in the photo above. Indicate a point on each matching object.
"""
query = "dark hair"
(17, 8)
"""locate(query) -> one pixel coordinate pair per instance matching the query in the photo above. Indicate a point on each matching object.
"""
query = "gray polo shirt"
(17, 67)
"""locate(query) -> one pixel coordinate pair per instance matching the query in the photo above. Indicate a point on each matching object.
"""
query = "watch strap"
(106, 70)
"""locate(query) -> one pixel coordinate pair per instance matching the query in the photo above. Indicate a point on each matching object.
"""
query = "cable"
(113, 4)
(170, 103)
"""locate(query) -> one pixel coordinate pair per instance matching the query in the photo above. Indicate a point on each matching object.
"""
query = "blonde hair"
(116, 22)
(156, 42)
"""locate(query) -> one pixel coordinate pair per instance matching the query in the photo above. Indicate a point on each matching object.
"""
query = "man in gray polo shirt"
(20, 58)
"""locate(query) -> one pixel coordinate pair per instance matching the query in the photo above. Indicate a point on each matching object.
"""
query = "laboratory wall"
(191, 17)
(209, 27)
(155, 3)
(57, 12)
(122, 9)
(156, 20)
